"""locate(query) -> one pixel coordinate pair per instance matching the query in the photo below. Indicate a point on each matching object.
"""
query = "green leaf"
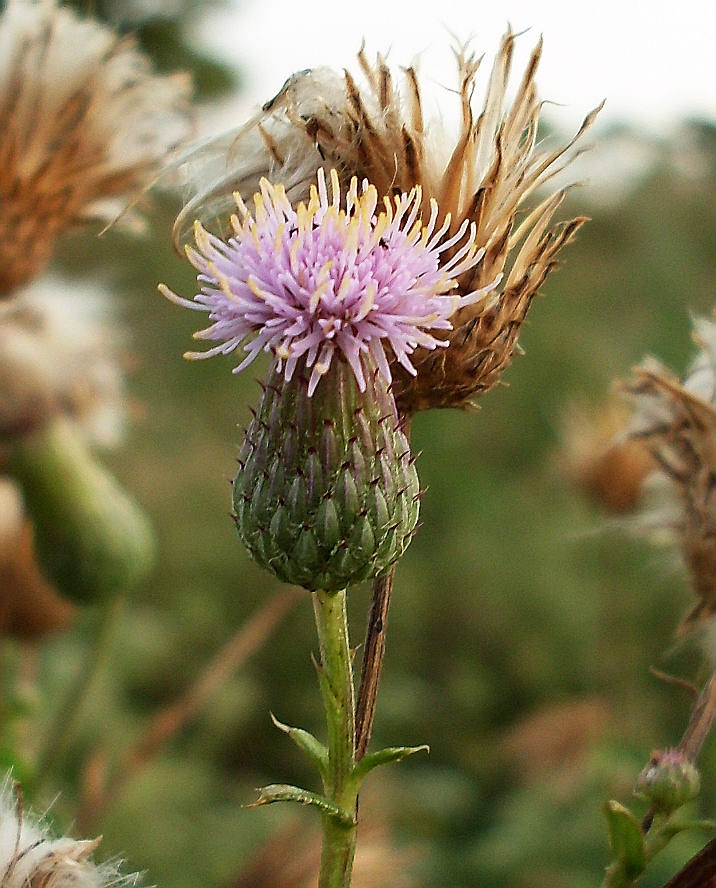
(626, 841)
(280, 792)
(383, 757)
(306, 742)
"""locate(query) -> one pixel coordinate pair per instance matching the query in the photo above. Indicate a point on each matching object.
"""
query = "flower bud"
(327, 493)
(669, 781)
(92, 539)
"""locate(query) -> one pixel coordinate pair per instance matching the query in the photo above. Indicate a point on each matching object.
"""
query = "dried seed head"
(60, 355)
(85, 122)
(677, 421)
(378, 131)
(29, 856)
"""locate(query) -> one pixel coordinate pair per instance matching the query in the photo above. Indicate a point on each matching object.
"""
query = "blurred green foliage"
(524, 619)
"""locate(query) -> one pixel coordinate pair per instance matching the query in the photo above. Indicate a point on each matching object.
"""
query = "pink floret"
(331, 276)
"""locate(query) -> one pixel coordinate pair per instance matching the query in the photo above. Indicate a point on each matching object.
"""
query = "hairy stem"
(336, 681)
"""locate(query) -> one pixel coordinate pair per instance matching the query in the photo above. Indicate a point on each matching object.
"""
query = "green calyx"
(327, 493)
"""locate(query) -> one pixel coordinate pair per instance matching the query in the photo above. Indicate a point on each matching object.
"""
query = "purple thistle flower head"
(331, 278)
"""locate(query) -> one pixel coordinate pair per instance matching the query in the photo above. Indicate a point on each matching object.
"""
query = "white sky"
(653, 60)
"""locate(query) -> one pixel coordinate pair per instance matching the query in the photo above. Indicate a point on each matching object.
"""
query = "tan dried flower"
(377, 131)
(30, 857)
(59, 355)
(84, 124)
(677, 420)
(600, 458)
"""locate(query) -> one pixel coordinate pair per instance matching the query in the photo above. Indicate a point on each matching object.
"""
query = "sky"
(654, 62)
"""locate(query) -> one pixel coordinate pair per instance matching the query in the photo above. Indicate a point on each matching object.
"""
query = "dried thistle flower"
(60, 355)
(29, 606)
(30, 856)
(601, 459)
(34, 608)
(377, 131)
(85, 122)
(677, 421)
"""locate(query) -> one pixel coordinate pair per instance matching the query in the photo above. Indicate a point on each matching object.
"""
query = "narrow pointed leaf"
(281, 792)
(384, 757)
(306, 742)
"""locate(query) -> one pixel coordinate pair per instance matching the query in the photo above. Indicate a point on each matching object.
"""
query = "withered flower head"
(30, 856)
(377, 131)
(677, 420)
(598, 457)
(59, 355)
(85, 122)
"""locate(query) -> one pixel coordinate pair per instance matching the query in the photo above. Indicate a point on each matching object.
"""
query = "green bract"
(327, 493)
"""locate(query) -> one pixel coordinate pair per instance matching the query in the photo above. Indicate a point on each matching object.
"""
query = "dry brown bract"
(84, 123)
(378, 131)
(677, 420)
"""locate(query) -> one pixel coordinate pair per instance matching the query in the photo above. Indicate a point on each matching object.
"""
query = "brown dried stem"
(699, 872)
(373, 655)
(374, 651)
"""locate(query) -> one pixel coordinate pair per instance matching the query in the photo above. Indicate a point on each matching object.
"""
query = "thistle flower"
(307, 283)
(30, 856)
(327, 494)
(669, 781)
(85, 123)
(377, 131)
(677, 421)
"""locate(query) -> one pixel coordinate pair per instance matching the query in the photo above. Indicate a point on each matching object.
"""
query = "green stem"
(336, 681)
